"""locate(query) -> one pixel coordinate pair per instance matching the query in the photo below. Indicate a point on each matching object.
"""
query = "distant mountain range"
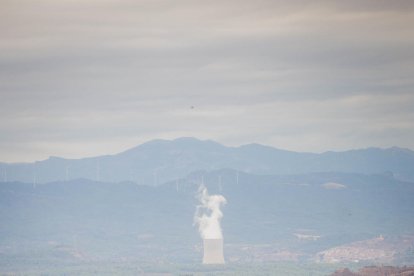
(282, 205)
(160, 161)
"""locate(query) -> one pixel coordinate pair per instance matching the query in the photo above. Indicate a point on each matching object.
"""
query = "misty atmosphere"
(192, 202)
(157, 137)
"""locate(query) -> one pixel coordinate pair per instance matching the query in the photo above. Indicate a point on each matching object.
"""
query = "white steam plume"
(208, 214)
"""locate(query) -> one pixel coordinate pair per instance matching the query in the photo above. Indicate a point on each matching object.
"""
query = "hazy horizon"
(82, 78)
(287, 131)
(202, 140)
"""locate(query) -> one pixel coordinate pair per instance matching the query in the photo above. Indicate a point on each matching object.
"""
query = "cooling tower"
(213, 251)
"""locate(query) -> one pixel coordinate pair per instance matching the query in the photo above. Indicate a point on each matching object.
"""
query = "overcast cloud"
(92, 77)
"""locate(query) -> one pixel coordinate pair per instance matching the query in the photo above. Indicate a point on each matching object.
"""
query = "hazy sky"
(81, 78)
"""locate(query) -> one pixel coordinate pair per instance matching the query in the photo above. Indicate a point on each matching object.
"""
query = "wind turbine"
(155, 174)
(4, 175)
